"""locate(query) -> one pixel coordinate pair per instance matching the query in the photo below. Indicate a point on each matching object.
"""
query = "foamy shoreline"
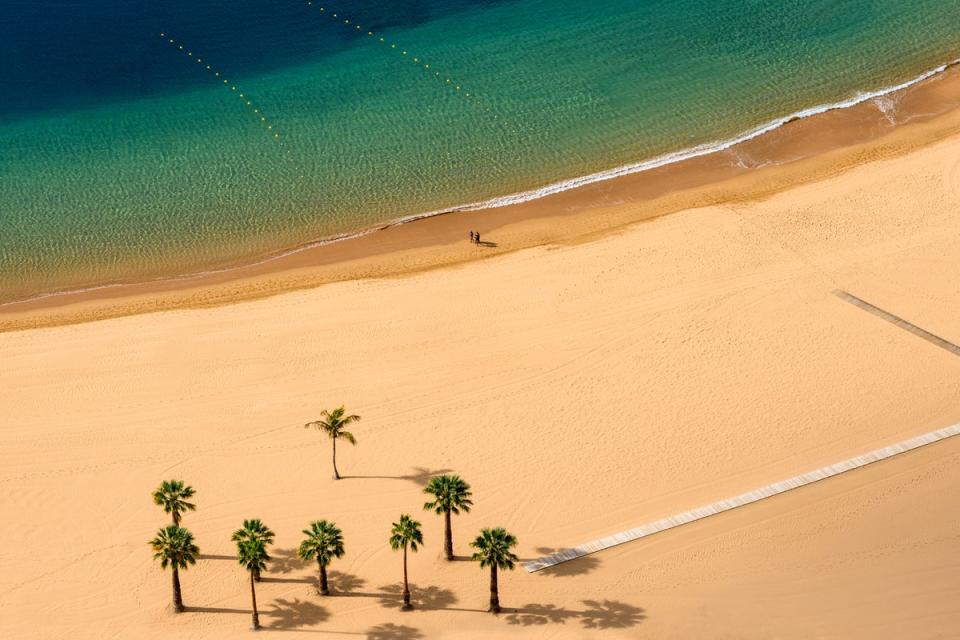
(517, 198)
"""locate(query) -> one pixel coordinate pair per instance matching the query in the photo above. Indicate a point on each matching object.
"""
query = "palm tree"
(406, 533)
(174, 548)
(324, 542)
(172, 495)
(252, 555)
(493, 550)
(333, 424)
(451, 495)
(254, 530)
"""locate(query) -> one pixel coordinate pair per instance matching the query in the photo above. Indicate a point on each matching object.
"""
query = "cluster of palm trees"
(174, 547)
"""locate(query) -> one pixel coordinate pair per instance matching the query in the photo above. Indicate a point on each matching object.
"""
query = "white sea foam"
(550, 189)
(698, 150)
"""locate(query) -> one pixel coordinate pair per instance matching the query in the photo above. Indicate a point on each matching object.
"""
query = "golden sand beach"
(582, 386)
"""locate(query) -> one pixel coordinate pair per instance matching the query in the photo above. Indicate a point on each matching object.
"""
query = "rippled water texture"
(123, 157)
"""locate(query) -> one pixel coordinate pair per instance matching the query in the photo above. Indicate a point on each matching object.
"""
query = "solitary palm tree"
(333, 424)
(174, 548)
(172, 495)
(324, 542)
(254, 530)
(406, 533)
(493, 550)
(451, 495)
(252, 555)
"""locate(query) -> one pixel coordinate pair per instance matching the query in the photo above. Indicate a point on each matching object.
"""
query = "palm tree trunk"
(256, 576)
(253, 595)
(336, 474)
(406, 589)
(494, 593)
(448, 536)
(324, 591)
(177, 595)
(176, 518)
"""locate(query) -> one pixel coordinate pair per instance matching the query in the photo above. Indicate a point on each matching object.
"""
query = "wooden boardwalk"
(776, 488)
(900, 322)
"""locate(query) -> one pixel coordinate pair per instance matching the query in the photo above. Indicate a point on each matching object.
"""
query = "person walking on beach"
(476, 237)
(473, 238)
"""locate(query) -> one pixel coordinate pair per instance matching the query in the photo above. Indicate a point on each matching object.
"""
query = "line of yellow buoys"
(456, 87)
(257, 112)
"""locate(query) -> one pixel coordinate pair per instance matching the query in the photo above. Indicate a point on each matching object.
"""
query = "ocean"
(143, 139)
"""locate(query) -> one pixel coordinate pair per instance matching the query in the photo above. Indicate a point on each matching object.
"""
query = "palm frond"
(451, 493)
(493, 548)
(406, 533)
(323, 542)
(174, 546)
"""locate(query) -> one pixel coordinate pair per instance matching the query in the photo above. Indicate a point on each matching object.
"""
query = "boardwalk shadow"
(605, 614)
(390, 631)
(576, 567)
(284, 561)
(420, 476)
(292, 614)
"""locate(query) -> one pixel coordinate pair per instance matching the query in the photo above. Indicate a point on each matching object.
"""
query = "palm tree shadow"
(577, 567)
(215, 610)
(429, 598)
(539, 614)
(606, 614)
(292, 614)
(420, 476)
(610, 614)
(288, 580)
(210, 556)
(390, 631)
(284, 561)
(344, 583)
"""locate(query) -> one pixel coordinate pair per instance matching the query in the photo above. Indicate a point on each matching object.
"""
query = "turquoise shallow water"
(123, 158)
